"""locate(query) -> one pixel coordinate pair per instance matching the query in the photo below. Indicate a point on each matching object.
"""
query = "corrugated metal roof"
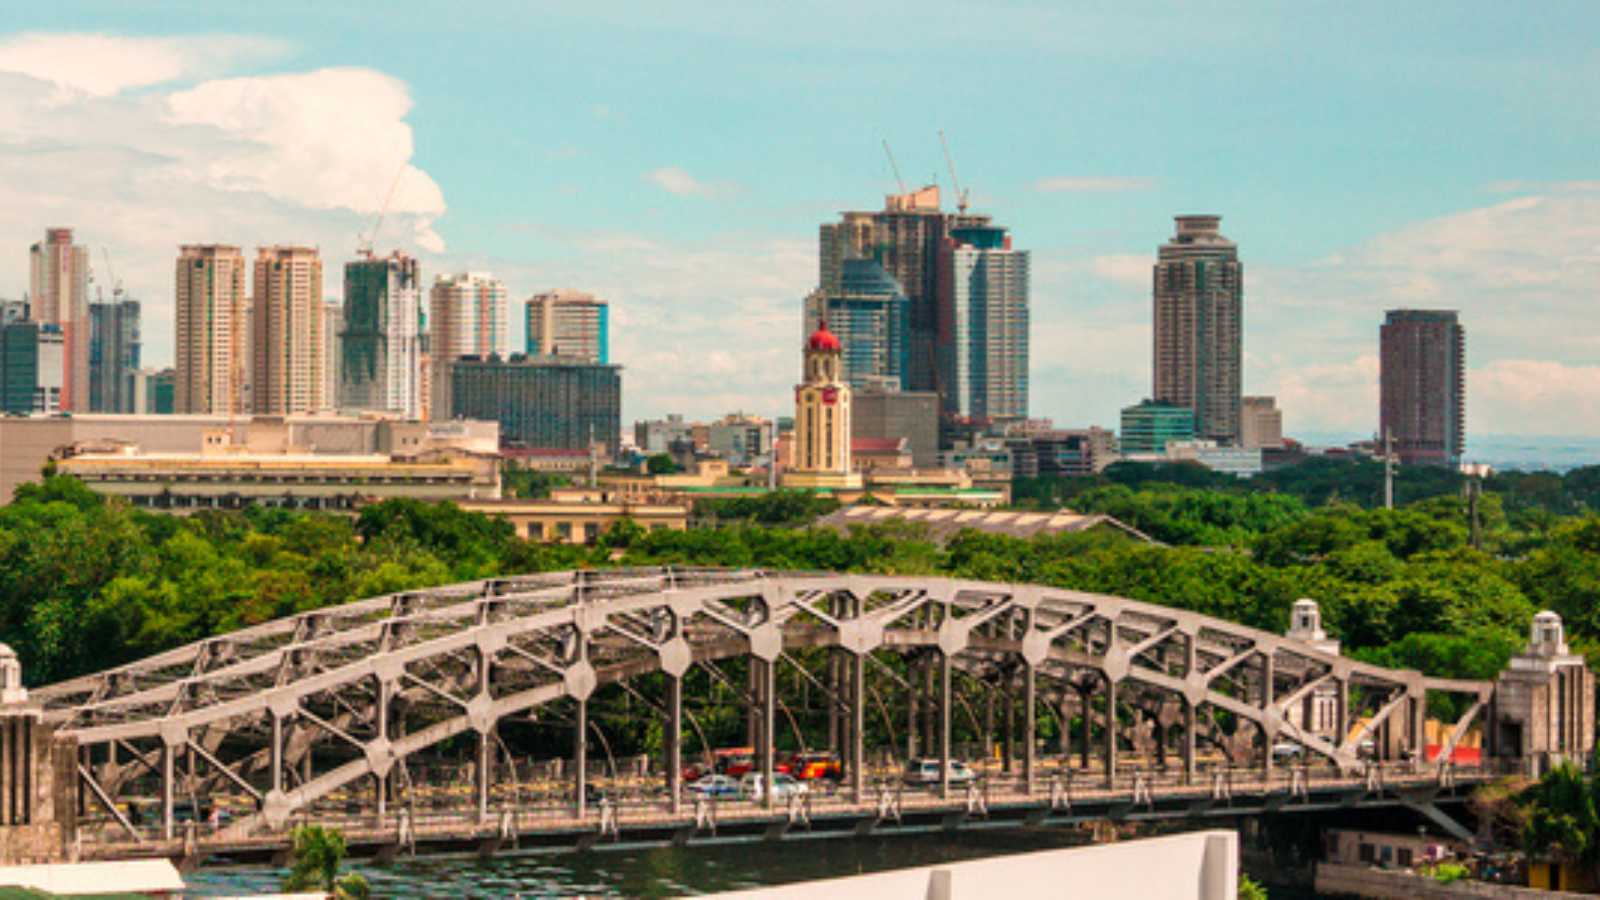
(942, 524)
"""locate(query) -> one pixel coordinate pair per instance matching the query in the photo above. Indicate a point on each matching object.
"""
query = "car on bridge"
(715, 785)
(925, 772)
(783, 786)
(812, 765)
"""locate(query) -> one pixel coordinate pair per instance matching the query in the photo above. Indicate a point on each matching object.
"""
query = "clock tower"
(822, 419)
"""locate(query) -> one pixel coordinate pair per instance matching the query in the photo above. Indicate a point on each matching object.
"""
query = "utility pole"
(1388, 468)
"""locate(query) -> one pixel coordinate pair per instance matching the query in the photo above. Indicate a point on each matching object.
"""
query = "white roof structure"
(153, 877)
(943, 524)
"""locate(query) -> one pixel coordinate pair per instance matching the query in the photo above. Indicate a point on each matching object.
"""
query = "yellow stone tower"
(822, 420)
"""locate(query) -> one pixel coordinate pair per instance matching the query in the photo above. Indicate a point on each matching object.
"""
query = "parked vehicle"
(926, 772)
(783, 786)
(1287, 751)
(812, 765)
(716, 786)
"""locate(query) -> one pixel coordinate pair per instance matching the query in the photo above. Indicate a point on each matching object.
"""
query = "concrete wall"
(1202, 865)
(1363, 881)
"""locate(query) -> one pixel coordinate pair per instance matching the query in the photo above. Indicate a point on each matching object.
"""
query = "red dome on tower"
(823, 340)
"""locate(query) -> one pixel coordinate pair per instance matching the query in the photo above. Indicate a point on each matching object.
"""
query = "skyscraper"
(1422, 371)
(871, 317)
(1199, 311)
(59, 289)
(904, 237)
(287, 331)
(332, 329)
(382, 353)
(466, 317)
(211, 330)
(568, 324)
(982, 341)
(114, 347)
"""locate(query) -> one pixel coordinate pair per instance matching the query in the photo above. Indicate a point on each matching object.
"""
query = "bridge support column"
(1188, 741)
(858, 727)
(1030, 725)
(1007, 748)
(1087, 724)
(276, 753)
(580, 758)
(769, 723)
(674, 741)
(167, 778)
(1267, 737)
(1111, 733)
(944, 725)
(484, 773)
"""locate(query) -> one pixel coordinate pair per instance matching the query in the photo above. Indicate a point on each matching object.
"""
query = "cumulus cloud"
(680, 183)
(302, 157)
(1092, 184)
(102, 65)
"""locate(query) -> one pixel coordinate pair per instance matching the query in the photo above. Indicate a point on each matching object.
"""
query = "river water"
(668, 871)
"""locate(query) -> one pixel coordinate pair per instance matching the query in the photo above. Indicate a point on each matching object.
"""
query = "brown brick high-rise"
(1422, 364)
(1198, 301)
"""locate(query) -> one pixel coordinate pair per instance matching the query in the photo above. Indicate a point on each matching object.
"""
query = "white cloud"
(680, 183)
(1102, 184)
(301, 157)
(101, 65)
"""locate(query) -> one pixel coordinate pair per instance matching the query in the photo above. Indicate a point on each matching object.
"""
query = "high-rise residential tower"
(1199, 311)
(1422, 371)
(382, 354)
(871, 317)
(114, 347)
(287, 331)
(59, 289)
(570, 325)
(212, 360)
(982, 341)
(466, 317)
(332, 329)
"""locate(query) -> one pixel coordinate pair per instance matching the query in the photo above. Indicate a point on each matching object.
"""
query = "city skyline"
(704, 245)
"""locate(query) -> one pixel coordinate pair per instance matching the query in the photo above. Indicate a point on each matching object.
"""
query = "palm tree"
(318, 852)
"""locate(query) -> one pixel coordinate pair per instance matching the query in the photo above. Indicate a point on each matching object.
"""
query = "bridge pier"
(674, 742)
(580, 758)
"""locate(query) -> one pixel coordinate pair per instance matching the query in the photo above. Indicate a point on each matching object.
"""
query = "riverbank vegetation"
(87, 583)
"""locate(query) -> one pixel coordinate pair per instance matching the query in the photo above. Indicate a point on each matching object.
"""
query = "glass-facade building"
(1149, 426)
(19, 366)
(541, 401)
(983, 347)
(381, 352)
(113, 355)
(870, 315)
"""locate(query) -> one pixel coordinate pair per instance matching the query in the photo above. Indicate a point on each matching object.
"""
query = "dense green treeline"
(86, 583)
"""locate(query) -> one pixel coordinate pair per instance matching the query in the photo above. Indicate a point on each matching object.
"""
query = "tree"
(318, 853)
(1250, 889)
(1564, 818)
(661, 464)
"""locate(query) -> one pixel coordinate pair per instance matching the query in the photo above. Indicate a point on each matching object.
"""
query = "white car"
(715, 786)
(926, 771)
(783, 786)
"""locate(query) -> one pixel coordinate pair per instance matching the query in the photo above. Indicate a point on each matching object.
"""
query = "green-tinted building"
(382, 349)
(19, 367)
(1148, 427)
(541, 401)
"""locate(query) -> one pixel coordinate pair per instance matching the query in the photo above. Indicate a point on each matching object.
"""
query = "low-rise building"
(1260, 423)
(580, 516)
(740, 439)
(1238, 461)
(541, 401)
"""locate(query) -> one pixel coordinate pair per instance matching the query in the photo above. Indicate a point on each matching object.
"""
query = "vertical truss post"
(675, 741)
(1111, 733)
(1188, 741)
(277, 753)
(912, 720)
(1030, 724)
(944, 725)
(1007, 749)
(380, 782)
(769, 722)
(1419, 730)
(1267, 673)
(1085, 723)
(580, 758)
(485, 761)
(858, 726)
(1341, 713)
(752, 715)
(167, 757)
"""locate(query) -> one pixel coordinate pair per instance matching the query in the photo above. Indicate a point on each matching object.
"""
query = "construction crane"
(894, 166)
(961, 196)
(364, 244)
(116, 284)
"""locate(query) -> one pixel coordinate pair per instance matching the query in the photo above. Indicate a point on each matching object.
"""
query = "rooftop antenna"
(364, 244)
(961, 196)
(894, 166)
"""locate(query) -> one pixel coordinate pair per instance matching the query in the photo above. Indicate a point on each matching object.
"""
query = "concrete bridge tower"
(1543, 706)
(38, 776)
(1318, 713)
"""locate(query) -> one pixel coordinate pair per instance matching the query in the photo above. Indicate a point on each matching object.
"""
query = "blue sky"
(677, 158)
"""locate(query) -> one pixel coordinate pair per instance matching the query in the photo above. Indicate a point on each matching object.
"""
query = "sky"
(676, 159)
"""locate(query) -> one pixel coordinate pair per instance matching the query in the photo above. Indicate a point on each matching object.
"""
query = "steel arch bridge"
(282, 717)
